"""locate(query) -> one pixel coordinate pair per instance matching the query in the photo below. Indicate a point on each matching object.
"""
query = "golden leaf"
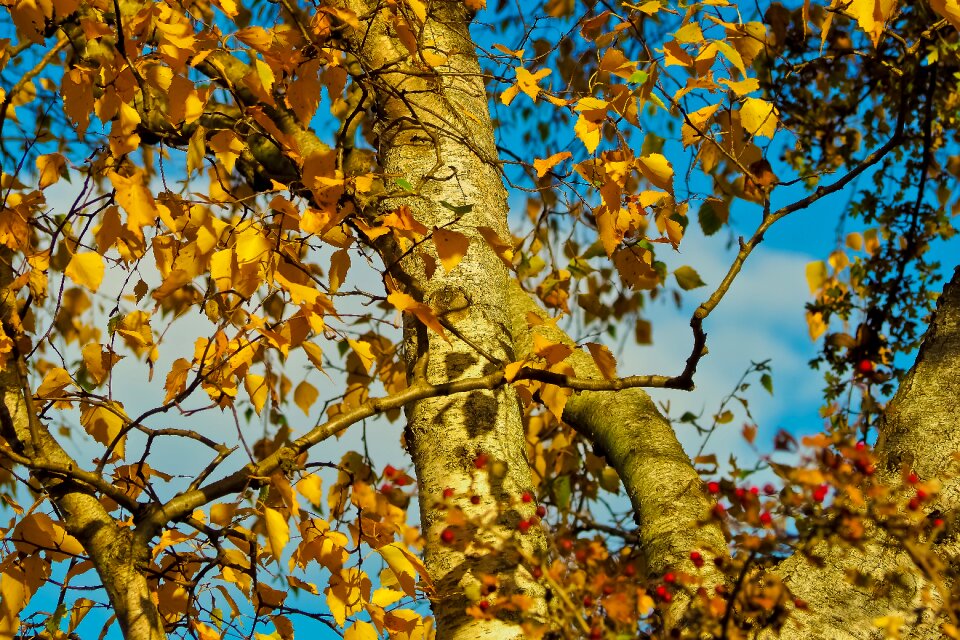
(405, 303)
(451, 247)
(50, 167)
(278, 531)
(257, 389)
(542, 166)
(86, 269)
(759, 117)
(305, 395)
(604, 360)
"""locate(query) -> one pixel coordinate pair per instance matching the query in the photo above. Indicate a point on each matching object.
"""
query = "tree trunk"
(436, 134)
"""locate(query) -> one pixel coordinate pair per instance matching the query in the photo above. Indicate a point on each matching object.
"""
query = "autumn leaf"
(104, 422)
(56, 380)
(278, 531)
(361, 631)
(688, 278)
(406, 304)
(657, 169)
(526, 82)
(50, 167)
(604, 360)
(816, 275)
(451, 247)
(542, 166)
(86, 269)
(759, 117)
(305, 395)
(257, 389)
(405, 566)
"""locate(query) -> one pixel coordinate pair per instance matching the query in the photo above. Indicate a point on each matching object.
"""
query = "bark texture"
(435, 132)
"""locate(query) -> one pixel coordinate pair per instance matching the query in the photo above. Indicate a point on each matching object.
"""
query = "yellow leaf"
(528, 82)
(552, 352)
(759, 117)
(98, 362)
(104, 423)
(855, 241)
(278, 531)
(205, 631)
(588, 132)
(689, 34)
(136, 200)
(50, 167)
(364, 350)
(404, 565)
(872, 15)
(314, 354)
(949, 9)
(741, 87)
(86, 269)
(347, 592)
(257, 389)
(359, 631)
(816, 275)
(339, 266)
(604, 360)
(405, 303)
(419, 9)
(815, 325)
(451, 247)
(657, 169)
(311, 488)
(542, 166)
(305, 395)
(54, 383)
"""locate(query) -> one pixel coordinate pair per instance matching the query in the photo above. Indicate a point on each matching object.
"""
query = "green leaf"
(459, 210)
(688, 278)
(404, 184)
(638, 77)
(562, 492)
(767, 381)
(710, 219)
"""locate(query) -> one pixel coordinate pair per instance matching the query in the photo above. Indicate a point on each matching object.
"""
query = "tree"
(237, 167)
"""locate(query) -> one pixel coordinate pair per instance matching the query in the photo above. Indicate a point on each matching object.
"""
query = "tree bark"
(435, 132)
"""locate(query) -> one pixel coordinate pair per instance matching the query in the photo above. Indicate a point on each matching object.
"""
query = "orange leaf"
(405, 303)
(604, 360)
(542, 166)
(451, 247)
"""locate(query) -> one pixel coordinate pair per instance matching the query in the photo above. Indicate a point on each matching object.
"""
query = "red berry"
(713, 487)
(386, 487)
(938, 522)
(913, 478)
(922, 495)
(389, 471)
(480, 462)
(864, 366)
(755, 490)
(769, 489)
(566, 545)
(765, 518)
(696, 558)
(629, 570)
(448, 492)
(820, 493)
(860, 446)
(474, 499)
(580, 555)
(526, 497)
(523, 526)
(668, 597)
(541, 511)
(484, 605)
(800, 604)
(718, 510)
(607, 589)
(913, 505)
(669, 577)
(739, 492)
(447, 535)
(536, 572)
(587, 601)
(661, 591)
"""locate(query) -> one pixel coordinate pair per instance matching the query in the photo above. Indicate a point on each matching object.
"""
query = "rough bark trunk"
(117, 559)
(435, 132)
